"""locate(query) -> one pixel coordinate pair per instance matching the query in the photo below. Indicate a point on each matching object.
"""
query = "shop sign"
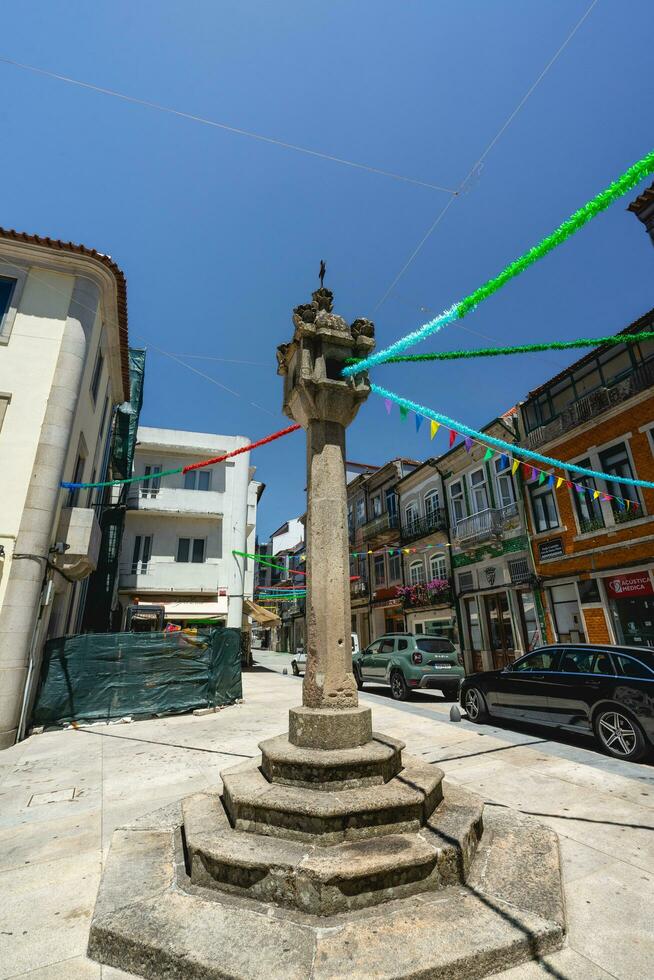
(551, 549)
(626, 586)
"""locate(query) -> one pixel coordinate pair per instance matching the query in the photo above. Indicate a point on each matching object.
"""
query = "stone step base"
(328, 817)
(373, 763)
(327, 880)
(150, 919)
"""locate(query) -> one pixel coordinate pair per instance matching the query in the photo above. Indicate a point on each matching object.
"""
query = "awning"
(196, 610)
(264, 617)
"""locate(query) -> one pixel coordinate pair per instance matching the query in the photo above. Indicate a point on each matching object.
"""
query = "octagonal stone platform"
(325, 863)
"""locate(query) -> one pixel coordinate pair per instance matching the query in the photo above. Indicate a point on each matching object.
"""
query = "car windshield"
(435, 644)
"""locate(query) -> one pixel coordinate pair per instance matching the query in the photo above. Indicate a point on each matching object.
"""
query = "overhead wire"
(238, 131)
(505, 125)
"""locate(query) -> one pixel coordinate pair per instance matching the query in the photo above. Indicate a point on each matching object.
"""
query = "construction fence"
(105, 676)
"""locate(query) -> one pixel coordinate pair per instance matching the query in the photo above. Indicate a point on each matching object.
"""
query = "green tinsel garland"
(455, 355)
(599, 203)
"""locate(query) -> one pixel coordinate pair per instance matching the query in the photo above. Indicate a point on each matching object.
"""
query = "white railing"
(485, 524)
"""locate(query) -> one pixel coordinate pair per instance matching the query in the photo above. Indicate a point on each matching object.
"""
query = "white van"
(299, 661)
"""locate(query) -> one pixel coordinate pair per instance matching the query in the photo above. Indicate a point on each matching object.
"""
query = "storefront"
(433, 622)
(630, 598)
(387, 613)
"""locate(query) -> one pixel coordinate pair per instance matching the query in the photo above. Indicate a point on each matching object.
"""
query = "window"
(391, 503)
(543, 506)
(141, 554)
(438, 566)
(436, 645)
(589, 510)
(376, 505)
(197, 480)
(380, 570)
(474, 626)
(97, 373)
(562, 395)
(78, 475)
(150, 488)
(585, 662)
(538, 660)
(394, 567)
(431, 505)
(361, 510)
(416, 573)
(466, 582)
(588, 591)
(4, 404)
(402, 645)
(587, 379)
(615, 364)
(504, 482)
(373, 648)
(616, 462)
(478, 491)
(630, 667)
(530, 619)
(411, 517)
(458, 501)
(6, 292)
(350, 518)
(190, 550)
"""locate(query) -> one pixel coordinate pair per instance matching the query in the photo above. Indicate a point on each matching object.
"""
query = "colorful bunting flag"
(595, 494)
(452, 437)
(389, 404)
(468, 443)
(534, 473)
(433, 428)
(550, 482)
(488, 455)
(514, 468)
(504, 460)
(418, 421)
(403, 413)
(559, 482)
(541, 478)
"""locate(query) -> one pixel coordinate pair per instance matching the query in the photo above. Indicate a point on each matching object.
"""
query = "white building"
(63, 369)
(181, 530)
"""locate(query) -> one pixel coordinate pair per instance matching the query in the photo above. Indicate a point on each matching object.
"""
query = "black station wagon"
(602, 690)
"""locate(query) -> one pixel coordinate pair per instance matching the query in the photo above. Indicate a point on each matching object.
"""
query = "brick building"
(594, 556)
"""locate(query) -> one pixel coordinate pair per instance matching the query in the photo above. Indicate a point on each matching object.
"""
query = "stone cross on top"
(324, 403)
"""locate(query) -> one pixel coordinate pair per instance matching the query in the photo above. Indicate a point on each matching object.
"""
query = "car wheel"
(450, 693)
(358, 678)
(399, 687)
(295, 668)
(475, 705)
(619, 735)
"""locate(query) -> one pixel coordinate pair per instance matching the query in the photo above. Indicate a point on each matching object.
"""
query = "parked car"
(604, 691)
(299, 661)
(410, 661)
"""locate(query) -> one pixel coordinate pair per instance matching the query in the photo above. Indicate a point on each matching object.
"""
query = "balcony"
(594, 404)
(79, 529)
(171, 500)
(437, 593)
(422, 526)
(486, 525)
(384, 526)
(358, 590)
(171, 576)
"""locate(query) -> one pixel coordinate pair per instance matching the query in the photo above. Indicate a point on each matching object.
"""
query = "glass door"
(500, 629)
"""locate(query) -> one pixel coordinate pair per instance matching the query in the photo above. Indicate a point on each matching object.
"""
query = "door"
(377, 662)
(581, 679)
(368, 661)
(500, 629)
(522, 690)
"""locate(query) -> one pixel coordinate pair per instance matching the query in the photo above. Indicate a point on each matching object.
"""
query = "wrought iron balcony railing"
(378, 525)
(486, 524)
(423, 526)
(593, 404)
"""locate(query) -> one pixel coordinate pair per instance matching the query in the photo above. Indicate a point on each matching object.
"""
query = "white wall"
(290, 538)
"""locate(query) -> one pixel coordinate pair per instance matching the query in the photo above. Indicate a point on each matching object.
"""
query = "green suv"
(410, 661)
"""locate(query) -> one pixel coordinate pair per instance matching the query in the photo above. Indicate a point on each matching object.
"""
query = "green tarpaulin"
(111, 675)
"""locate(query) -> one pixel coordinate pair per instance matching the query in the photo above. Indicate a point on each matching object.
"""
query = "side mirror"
(507, 669)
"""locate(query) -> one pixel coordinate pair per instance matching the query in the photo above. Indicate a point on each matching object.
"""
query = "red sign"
(626, 586)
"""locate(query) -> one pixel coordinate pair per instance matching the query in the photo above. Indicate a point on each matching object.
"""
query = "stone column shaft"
(328, 679)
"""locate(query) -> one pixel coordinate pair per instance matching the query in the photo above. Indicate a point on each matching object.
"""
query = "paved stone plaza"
(62, 794)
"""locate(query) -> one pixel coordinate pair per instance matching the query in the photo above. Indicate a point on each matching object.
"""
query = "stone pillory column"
(324, 403)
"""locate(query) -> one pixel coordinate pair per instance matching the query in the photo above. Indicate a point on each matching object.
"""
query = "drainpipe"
(236, 577)
(20, 610)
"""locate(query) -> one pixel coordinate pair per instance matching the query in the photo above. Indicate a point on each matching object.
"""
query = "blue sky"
(220, 235)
